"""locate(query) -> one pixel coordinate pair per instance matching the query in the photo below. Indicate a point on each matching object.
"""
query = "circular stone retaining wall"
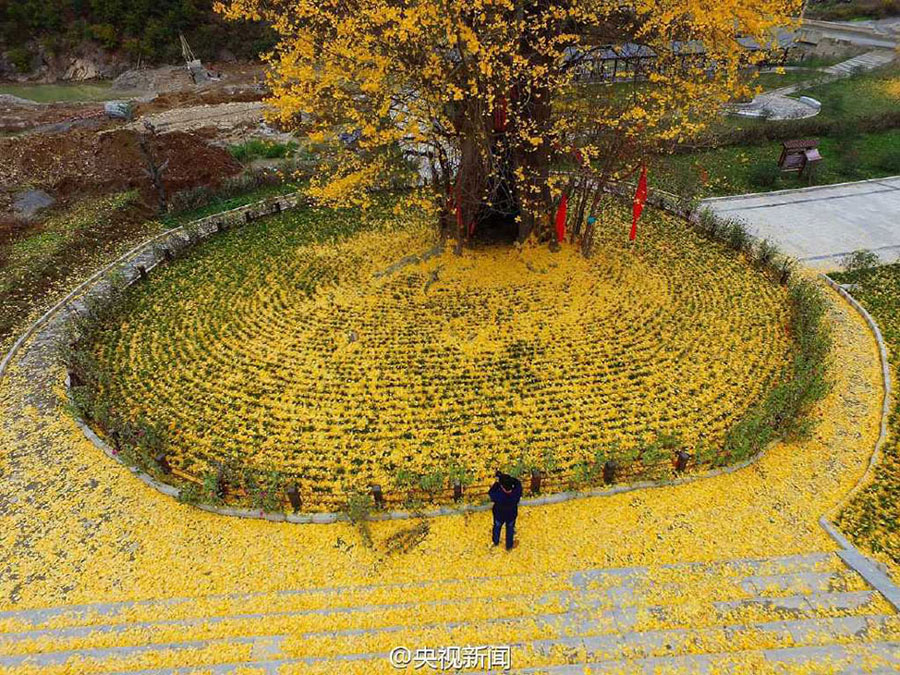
(153, 254)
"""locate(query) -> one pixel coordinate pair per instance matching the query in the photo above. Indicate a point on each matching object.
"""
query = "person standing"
(505, 493)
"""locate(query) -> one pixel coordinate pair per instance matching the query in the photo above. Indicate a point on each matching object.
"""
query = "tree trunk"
(534, 120)
(468, 193)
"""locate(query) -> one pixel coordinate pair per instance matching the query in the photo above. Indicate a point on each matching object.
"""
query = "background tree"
(139, 28)
(484, 92)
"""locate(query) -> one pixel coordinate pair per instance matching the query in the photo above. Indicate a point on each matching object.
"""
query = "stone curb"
(128, 262)
(788, 191)
(82, 288)
(852, 556)
(660, 199)
(862, 31)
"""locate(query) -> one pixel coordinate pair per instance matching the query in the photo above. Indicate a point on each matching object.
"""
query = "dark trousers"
(510, 531)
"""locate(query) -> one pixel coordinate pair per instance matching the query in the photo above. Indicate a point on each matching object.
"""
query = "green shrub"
(260, 149)
(191, 494)
(105, 34)
(709, 223)
(20, 57)
(766, 252)
(584, 473)
(433, 482)
(213, 488)
(519, 468)
(890, 161)
(782, 130)
(265, 491)
(764, 175)
(459, 474)
(736, 236)
(359, 510)
(785, 409)
(860, 260)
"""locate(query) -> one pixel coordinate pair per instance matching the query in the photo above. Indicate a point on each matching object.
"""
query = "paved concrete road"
(819, 225)
(862, 36)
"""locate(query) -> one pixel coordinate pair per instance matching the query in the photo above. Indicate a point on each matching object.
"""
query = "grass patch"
(863, 95)
(219, 202)
(261, 149)
(61, 93)
(735, 169)
(36, 258)
(774, 80)
(41, 261)
(838, 10)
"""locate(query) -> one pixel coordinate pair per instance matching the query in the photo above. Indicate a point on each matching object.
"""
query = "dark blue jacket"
(506, 506)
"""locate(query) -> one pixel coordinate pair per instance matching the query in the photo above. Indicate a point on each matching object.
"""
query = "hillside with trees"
(144, 31)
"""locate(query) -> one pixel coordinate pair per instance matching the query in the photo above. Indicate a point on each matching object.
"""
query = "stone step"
(877, 657)
(608, 610)
(192, 653)
(309, 626)
(867, 61)
(381, 597)
(588, 613)
(820, 642)
(677, 642)
(605, 635)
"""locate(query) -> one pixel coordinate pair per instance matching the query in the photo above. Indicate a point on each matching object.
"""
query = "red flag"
(561, 218)
(500, 114)
(640, 198)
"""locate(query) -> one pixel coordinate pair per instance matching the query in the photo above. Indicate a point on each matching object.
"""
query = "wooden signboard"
(799, 155)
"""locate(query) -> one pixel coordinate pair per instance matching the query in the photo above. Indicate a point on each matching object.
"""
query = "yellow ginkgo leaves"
(362, 361)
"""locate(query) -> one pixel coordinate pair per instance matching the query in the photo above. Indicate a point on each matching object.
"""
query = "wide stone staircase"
(868, 61)
(807, 613)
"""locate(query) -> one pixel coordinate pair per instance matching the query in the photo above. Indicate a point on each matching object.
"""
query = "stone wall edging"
(658, 198)
(792, 191)
(852, 556)
(283, 201)
(147, 257)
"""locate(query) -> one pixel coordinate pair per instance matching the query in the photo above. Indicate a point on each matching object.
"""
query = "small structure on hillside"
(631, 61)
(199, 74)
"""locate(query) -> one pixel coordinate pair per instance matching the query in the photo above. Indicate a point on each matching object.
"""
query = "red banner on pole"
(561, 218)
(640, 198)
(500, 114)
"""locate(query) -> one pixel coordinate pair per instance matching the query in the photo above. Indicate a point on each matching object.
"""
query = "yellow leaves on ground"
(500, 357)
(892, 87)
(104, 535)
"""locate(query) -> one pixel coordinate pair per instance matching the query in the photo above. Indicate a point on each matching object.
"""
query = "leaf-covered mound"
(313, 349)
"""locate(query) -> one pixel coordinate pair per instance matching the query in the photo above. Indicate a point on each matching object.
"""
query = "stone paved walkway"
(777, 104)
(875, 34)
(819, 225)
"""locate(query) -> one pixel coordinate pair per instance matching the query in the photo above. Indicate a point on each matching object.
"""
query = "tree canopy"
(483, 91)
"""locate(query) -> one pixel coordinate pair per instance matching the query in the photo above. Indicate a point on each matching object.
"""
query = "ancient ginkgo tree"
(487, 97)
